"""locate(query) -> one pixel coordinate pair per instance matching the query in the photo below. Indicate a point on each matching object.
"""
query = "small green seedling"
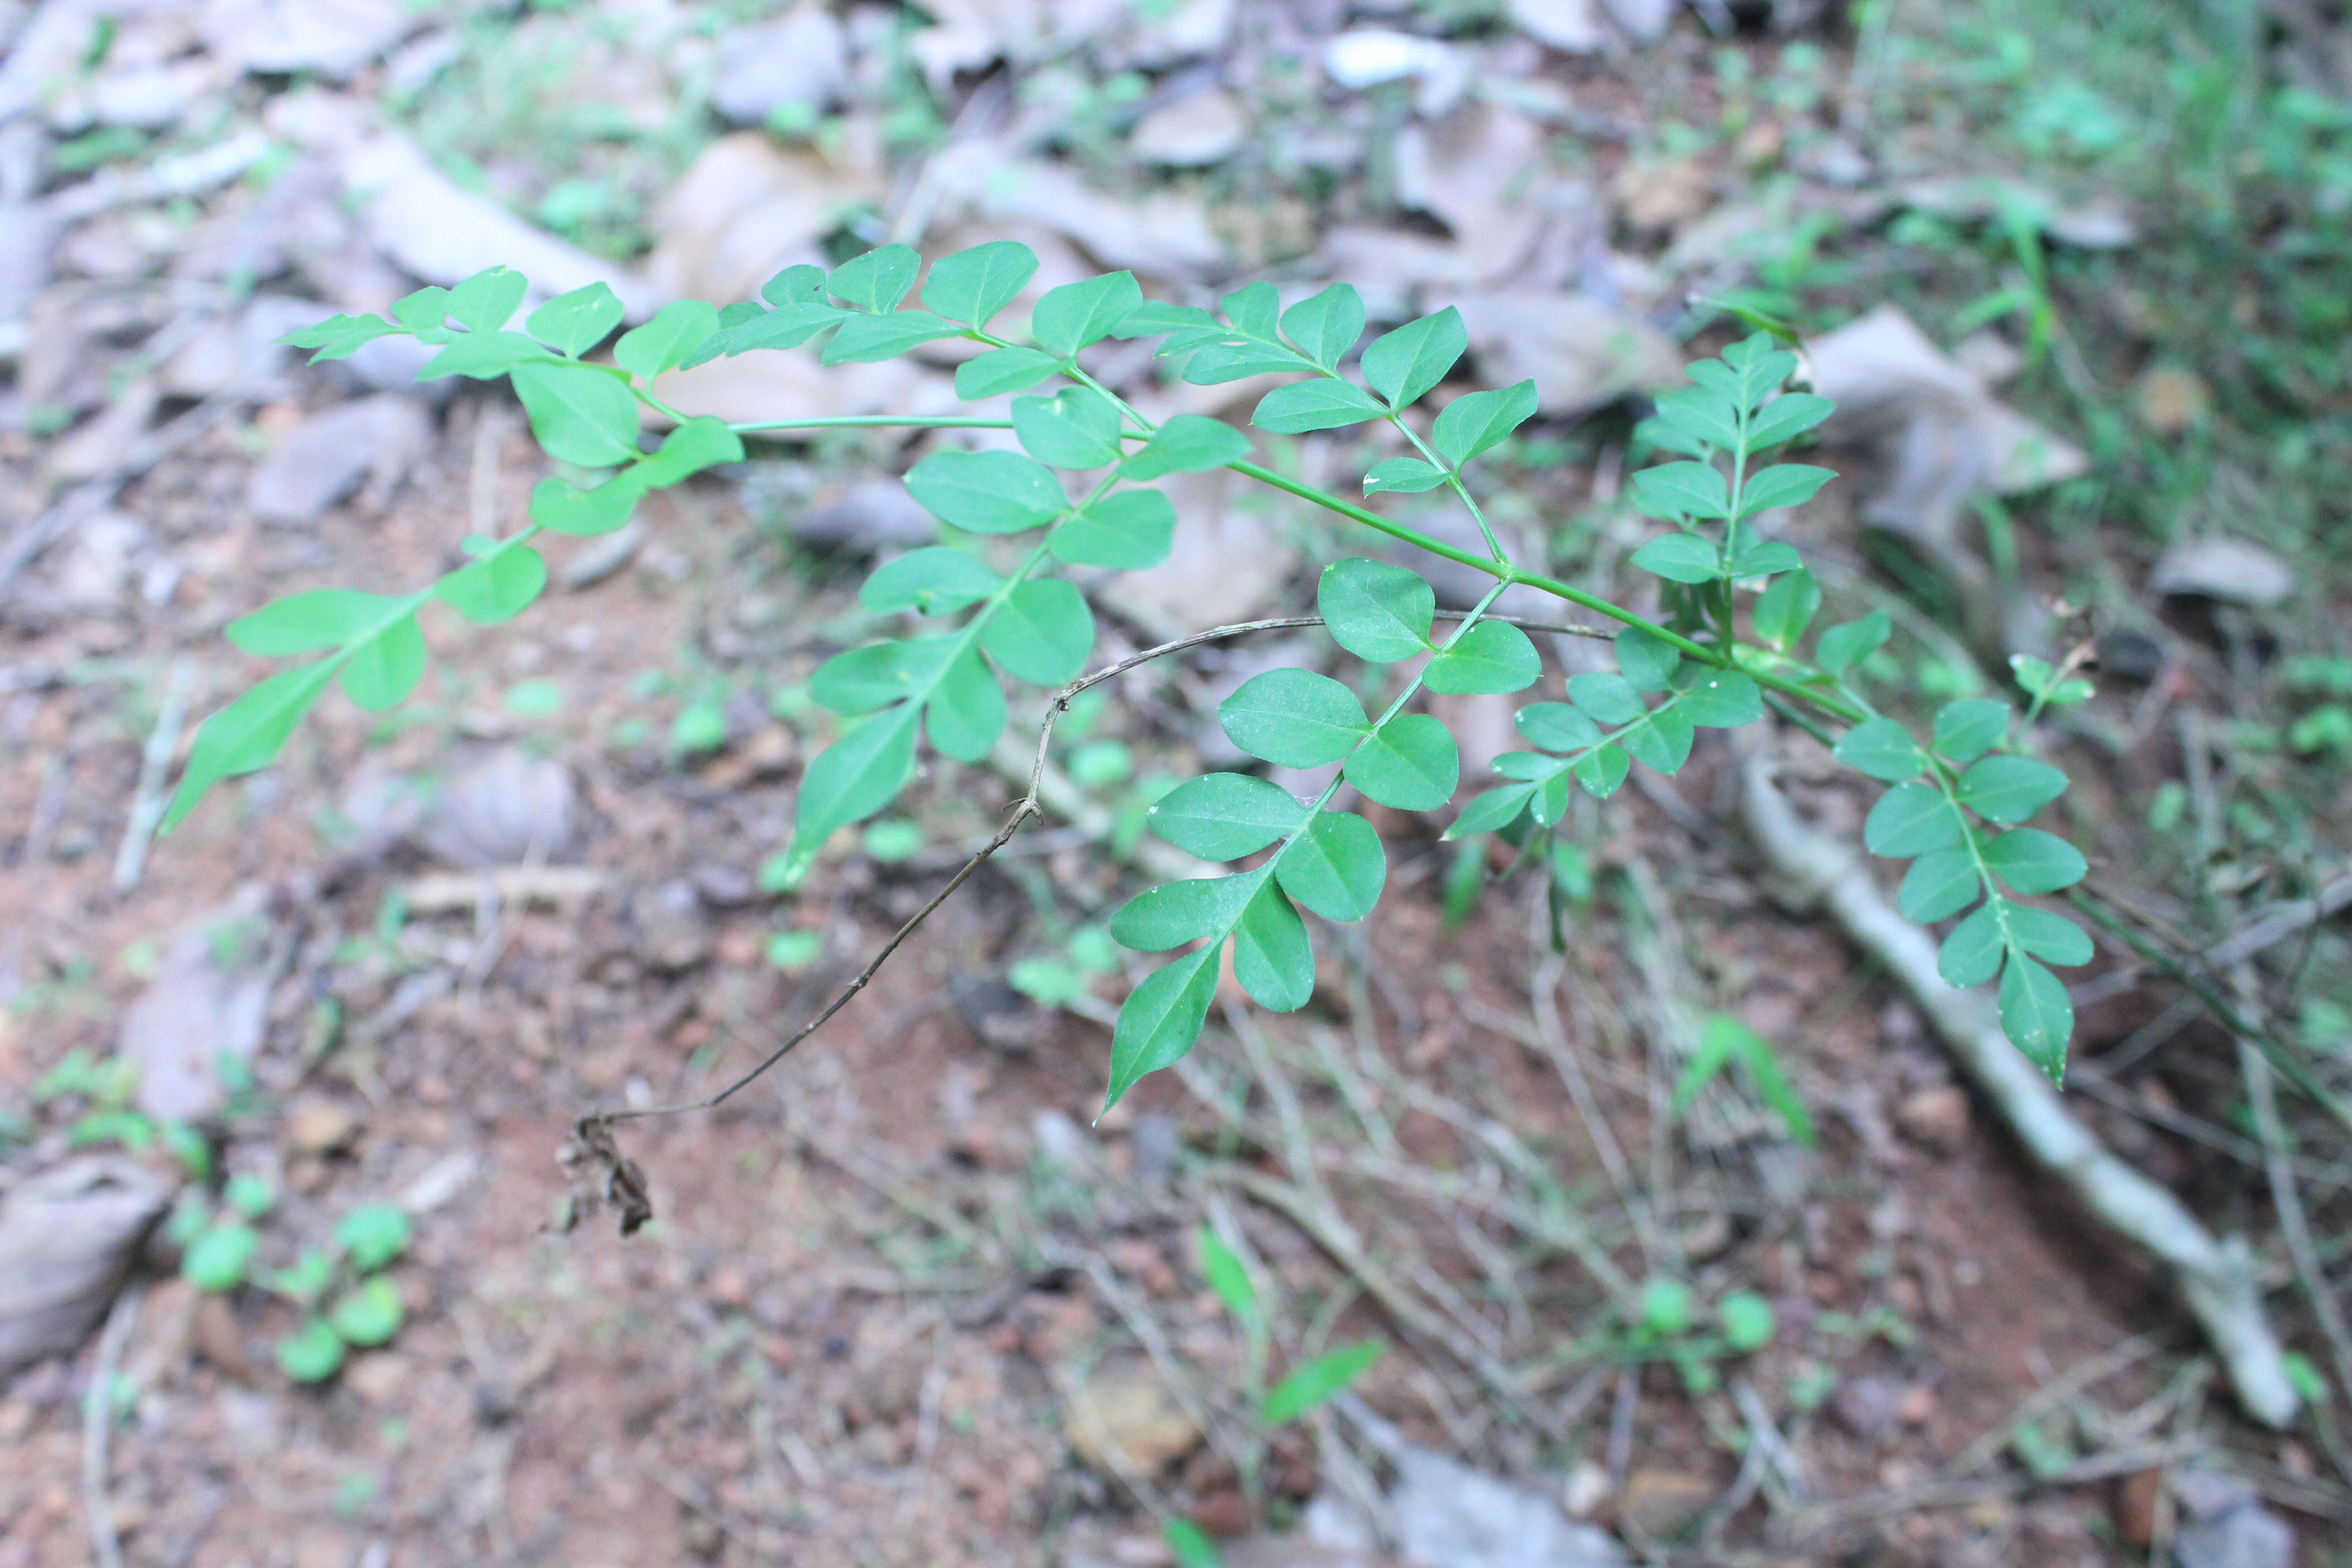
(1723, 1040)
(106, 1089)
(345, 1299)
(1666, 1326)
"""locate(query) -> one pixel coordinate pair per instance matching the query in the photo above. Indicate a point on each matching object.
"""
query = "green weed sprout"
(346, 1298)
(995, 604)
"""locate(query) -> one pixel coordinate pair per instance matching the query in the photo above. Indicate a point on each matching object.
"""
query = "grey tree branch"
(2217, 1275)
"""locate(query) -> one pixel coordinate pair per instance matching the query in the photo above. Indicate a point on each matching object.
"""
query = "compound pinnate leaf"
(1940, 884)
(1374, 610)
(1785, 484)
(382, 669)
(562, 508)
(1126, 530)
(2037, 1015)
(1403, 365)
(1791, 414)
(1401, 476)
(1294, 717)
(1912, 819)
(866, 340)
(1478, 422)
(304, 623)
(1883, 749)
(1174, 913)
(1325, 325)
(575, 322)
(1323, 403)
(970, 285)
(1337, 868)
(1410, 763)
(697, 444)
(2048, 936)
(1608, 698)
(1557, 727)
(2033, 861)
(1187, 444)
(1843, 647)
(1682, 490)
(877, 280)
(1000, 370)
(1492, 809)
(1160, 1020)
(1721, 700)
(1069, 318)
(1077, 428)
(1647, 660)
(932, 581)
(1972, 954)
(580, 414)
(1488, 657)
(1785, 609)
(1679, 558)
(677, 330)
(1970, 728)
(966, 713)
(864, 678)
(987, 492)
(852, 779)
(1321, 1379)
(1223, 816)
(247, 734)
(484, 302)
(1042, 633)
(482, 356)
(1272, 957)
(497, 587)
(2009, 789)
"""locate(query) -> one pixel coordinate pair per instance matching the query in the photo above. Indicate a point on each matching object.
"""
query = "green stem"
(873, 422)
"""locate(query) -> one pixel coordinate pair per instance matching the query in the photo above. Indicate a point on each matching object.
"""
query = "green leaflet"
(1703, 412)
(561, 507)
(865, 340)
(1402, 475)
(787, 326)
(482, 356)
(1410, 763)
(1000, 370)
(875, 676)
(1217, 364)
(1492, 809)
(851, 780)
(1647, 660)
(1374, 610)
(1785, 484)
(1069, 318)
(1557, 727)
(1487, 656)
(1272, 957)
(2009, 789)
(1403, 364)
(1228, 1277)
(1042, 633)
(693, 446)
(987, 492)
(2033, 861)
(2037, 1016)
(1940, 884)
(1336, 867)
(1660, 740)
(1325, 326)
(932, 581)
(1786, 608)
(580, 414)
(1679, 558)
(497, 586)
(1607, 699)
(1972, 954)
(1791, 414)
(1075, 429)
(1294, 717)
(1319, 1380)
(1842, 646)
(338, 337)
(1883, 749)
(1126, 530)
(1223, 816)
(677, 330)
(425, 312)
(1177, 913)
(877, 280)
(1160, 1020)
(321, 618)
(1970, 728)
(2051, 936)
(1478, 422)
(368, 1314)
(971, 286)
(1912, 819)
(1677, 490)
(966, 711)
(575, 322)
(1323, 403)
(247, 735)
(1187, 444)
(1764, 560)
(381, 670)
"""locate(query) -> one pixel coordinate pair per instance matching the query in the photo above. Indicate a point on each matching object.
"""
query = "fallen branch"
(2217, 1275)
